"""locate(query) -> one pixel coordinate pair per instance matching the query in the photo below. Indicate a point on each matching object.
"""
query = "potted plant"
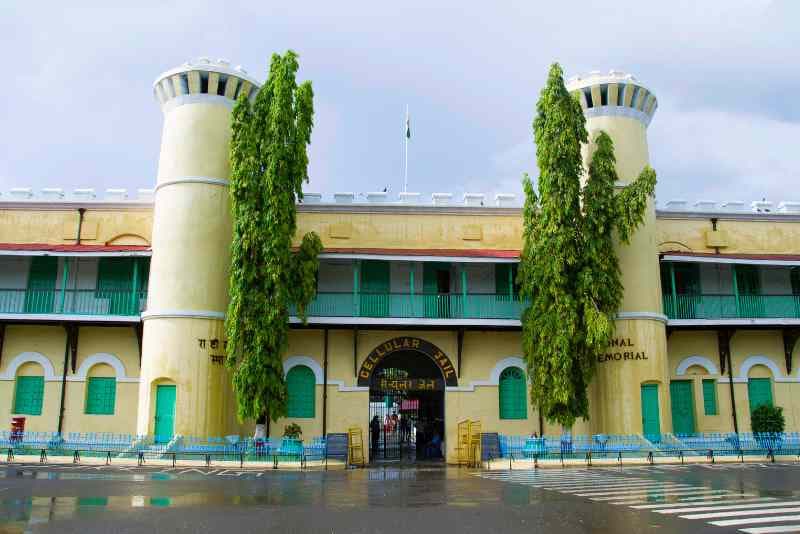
(292, 444)
(768, 424)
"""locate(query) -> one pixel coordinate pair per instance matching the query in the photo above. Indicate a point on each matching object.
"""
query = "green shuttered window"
(759, 391)
(710, 397)
(513, 395)
(28, 395)
(300, 382)
(505, 279)
(101, 394)
(40, 296)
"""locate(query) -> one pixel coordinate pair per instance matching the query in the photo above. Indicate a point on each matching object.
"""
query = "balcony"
(730, 306)
(436, 306)
(92, 302)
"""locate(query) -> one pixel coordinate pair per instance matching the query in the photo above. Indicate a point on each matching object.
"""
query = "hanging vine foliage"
(269, 164)
(569, 270)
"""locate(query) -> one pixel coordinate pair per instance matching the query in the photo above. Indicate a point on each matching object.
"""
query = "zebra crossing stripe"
(727, 507)
(722, 500)
(603, 486)
(683, 501)
(771, 530)
(742, 513)
(669, 493)
(638, 489)
(756, 521)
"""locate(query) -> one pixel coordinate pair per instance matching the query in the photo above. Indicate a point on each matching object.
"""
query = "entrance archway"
(406, 377)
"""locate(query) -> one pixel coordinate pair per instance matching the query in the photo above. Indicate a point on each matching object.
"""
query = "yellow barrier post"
(355, 447)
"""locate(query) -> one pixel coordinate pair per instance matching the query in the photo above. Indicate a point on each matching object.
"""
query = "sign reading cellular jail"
(411, 344)
(621, 349)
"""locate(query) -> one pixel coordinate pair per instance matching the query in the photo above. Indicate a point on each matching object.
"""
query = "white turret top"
(203, 78)
(615, 93)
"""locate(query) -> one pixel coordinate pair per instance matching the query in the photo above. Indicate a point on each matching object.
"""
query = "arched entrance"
(406, 377)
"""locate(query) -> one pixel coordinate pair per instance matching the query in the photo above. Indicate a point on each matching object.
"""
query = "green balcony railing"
(72, 301)
(717, 306)
(407, 305)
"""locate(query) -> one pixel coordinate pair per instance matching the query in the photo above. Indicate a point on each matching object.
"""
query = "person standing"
(374, 434)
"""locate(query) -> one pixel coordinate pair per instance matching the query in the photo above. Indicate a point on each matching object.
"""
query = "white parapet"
(83, 194)
(377, 196)
(441, 199)
(503, 200)
(116, 195)
(145, 194)
(733, 206)
(788, 206)
(344, 198)
(676, 205)
(409, 198)
(20, 193)
(312, 198)
(761, 206)
(52, 193)
(474, 199)
(705, 205)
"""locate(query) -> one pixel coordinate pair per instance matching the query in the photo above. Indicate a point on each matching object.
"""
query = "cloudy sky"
(77, 107)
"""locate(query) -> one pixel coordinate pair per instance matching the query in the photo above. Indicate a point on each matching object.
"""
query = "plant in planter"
(768, 424)
(292, 431)
(292, 444)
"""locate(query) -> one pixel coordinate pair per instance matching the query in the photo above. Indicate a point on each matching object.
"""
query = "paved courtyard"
(750, 498)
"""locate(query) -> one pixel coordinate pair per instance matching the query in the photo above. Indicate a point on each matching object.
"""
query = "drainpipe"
(68, 330)
(81, 212)
(325, 385)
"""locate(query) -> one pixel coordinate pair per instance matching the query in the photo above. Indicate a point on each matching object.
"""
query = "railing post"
(736, 290)
(463, 291)
(411, 268)
(674, 291)
(64, 281)
(135, 288)
(356, 279)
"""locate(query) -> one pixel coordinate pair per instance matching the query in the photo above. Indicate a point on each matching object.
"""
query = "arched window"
(101, 390)
(28, 395)
(513, 397)
(300, 382)
(759, 391)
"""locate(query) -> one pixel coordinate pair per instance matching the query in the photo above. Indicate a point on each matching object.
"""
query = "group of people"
(426, 435)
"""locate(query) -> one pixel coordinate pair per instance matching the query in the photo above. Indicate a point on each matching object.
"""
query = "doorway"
(406, 409)
(165, 413)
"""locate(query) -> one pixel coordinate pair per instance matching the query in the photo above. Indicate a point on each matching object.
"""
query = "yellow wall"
(49, 341)
(742, 237)
(744, 344)
(60, 226)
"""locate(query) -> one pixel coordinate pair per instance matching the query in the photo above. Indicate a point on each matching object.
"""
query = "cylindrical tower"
(184, 388)
(631, 391)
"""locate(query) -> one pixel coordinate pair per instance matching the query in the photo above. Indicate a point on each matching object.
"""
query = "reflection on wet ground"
(37, 498)
(415, 488)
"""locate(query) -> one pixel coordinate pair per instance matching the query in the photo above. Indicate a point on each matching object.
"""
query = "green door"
(748, 283)
(436, 289)
(682, 401)
(165, 413)
(651, 427)
(115, 284)
(375, 288)
(759, 391)
(41, 293)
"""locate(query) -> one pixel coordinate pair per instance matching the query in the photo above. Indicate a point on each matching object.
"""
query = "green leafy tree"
(569, 270)
(269, 164)
(767, 419)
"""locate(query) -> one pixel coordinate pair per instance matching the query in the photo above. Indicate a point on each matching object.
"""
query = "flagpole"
(405, 136)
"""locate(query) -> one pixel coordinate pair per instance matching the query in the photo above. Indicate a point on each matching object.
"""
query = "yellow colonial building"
(112, 306)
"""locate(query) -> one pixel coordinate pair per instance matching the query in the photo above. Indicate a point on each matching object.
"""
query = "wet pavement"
(36, 498)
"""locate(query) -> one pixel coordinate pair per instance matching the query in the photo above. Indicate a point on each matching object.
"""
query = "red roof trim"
(43, 247)
(444, 252)
(778, 257)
